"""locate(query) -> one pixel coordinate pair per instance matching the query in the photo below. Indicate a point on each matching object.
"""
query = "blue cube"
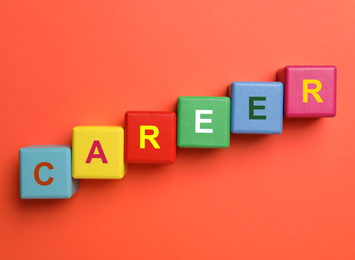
(256, 107)
(45, 172)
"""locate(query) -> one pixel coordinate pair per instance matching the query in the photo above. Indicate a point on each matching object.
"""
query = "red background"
(71, 63)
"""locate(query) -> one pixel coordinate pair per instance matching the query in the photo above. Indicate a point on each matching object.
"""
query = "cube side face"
(45, 172)
(150, 137)
(203, 122)
(310, 91)
(98, 152)
(280, 75)
(257, 107)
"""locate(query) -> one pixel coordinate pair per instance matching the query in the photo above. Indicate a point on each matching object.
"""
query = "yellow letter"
(306, 90)
(143, 136)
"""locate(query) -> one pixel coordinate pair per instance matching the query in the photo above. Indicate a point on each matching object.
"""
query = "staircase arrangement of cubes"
(102, 152)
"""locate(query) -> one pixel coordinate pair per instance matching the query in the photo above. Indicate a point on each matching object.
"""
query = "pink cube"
(310, 91)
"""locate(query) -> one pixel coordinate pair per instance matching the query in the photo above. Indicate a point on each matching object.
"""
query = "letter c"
(36, 174)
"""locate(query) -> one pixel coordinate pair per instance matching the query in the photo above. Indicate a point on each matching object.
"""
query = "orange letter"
(36, 173)
(100, 155)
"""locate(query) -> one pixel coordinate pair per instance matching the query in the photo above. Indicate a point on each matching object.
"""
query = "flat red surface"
(71, 63)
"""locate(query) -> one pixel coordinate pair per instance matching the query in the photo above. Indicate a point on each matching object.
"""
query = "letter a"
(100, 155)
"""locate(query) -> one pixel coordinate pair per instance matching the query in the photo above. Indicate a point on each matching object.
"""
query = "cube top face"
(256, 107)
(310, 91)
(98, 152)
(45, 172)
(150, 137)
(203, 122)
(57, 147)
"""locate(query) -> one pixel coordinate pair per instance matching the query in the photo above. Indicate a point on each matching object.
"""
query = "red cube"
(150, 137)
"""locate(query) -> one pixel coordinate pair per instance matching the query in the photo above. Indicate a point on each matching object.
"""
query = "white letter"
(198, 121)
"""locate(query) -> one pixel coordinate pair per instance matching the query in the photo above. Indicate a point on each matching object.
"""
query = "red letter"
(36, 173)
(101, 155)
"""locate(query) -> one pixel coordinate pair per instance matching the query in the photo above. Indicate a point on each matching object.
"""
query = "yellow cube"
(98, 152)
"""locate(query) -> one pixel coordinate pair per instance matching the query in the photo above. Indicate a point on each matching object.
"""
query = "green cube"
(203, 122)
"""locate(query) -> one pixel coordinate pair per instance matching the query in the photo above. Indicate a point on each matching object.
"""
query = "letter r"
(314, 91)
(143, 136)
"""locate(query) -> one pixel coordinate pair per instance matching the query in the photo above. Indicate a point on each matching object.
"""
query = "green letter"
(252, 107)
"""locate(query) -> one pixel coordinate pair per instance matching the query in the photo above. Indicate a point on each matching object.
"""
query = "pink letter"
(101, 155)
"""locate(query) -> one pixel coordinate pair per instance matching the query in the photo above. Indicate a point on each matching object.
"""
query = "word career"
(102, 152)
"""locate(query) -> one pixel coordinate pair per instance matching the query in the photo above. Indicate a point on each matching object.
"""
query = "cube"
(203, 122)
(45, 172)
(150, 137)
(310, 91)
(98, 152)
(256, 107)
